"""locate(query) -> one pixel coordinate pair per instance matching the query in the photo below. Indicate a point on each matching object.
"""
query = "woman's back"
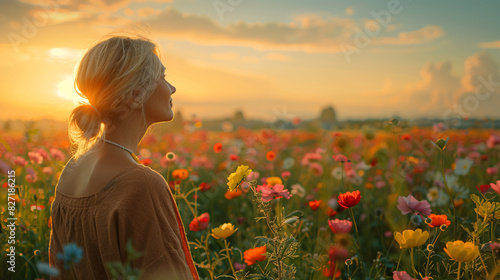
(131, 203)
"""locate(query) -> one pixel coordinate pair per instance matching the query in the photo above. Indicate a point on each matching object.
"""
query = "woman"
(104, 196)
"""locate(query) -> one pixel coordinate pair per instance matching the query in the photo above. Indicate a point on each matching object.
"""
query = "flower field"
(385, 203)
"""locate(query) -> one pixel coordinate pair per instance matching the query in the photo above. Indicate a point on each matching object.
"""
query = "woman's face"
(158, 108)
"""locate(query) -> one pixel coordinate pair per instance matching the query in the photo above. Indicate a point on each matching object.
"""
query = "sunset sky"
(268, 58)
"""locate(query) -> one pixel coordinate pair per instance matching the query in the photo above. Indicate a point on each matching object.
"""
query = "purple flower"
(409, 204)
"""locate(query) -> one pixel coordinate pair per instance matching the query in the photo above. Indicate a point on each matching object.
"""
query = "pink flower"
(380, 184)
(254, 175)
(57, 154)
(239, 266)
(17, 160)
(285, 175)
(496, 187)
(43, 153)
(31, 177)
(492, 170)
(340, 226)
(35, 157)
(310, 157)
(493, 141)
(339, 158)
(409, 204)
(316, 169)
(276, 191)
(47, 170)
(401, 275)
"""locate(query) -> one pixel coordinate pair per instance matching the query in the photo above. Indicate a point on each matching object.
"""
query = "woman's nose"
(172, 88)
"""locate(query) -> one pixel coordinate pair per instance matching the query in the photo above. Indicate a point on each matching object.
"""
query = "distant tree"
(7, 126)
(238, 116)
(328, 117)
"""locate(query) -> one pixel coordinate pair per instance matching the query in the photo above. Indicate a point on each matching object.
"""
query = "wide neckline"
(106, 186)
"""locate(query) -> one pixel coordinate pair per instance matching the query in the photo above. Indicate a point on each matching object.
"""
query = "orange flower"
(314, 204)
(232, 194)
(369, 185)
(349, 199)
(270, 155)
(180, 174)
(439, 220)
(50, 222)
(255, 254)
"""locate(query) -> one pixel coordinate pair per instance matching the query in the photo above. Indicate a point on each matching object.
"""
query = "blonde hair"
(115, 75)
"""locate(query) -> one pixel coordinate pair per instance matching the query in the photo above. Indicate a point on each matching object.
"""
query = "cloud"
(148, 11)
(349, 11)
(235, 57)
(480, 87)
(439, 93)
(310, 33)
(424, 35)
(490, 45)
(435, 90)
(278, 57)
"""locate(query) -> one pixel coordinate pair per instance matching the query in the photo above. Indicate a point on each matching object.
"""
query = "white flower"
(437, 197)
(297, 189)
(363, 166)
(288, 162)
(337, 173)
(463, 165)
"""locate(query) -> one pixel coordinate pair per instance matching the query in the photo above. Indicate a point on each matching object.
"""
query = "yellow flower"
(462, 252)
(236, 178)
(224, 231)
(273, 181)
(410, 238)
(489, 210)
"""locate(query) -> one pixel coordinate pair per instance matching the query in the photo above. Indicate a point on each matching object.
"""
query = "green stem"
(448, 190)
(229, 258)
(342, 176)
(207, 251)
(413, 264)
(400, 256)
(459, 267)
(359, 243)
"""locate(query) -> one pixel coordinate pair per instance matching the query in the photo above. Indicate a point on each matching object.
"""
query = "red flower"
(233, 157)
(146, 161)
(204, 187)
(270, 156)
(328, 272)
(349, 199)
(200, 223)
(406, 137)
(314, 204)
(483, 188)
(217, 147)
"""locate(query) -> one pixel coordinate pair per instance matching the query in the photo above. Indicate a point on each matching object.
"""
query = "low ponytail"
(85, 128)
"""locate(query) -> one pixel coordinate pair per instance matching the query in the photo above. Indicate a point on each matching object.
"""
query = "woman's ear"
(135, 101)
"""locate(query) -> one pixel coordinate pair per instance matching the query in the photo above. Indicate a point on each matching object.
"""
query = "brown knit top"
(136, 204)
